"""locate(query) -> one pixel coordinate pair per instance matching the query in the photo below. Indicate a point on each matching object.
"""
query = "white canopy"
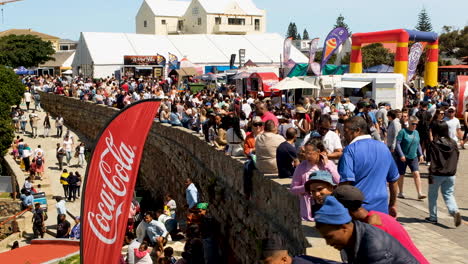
(293, 83)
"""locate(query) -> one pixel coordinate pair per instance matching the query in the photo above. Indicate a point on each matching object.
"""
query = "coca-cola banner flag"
(413, 58)
(334, 40)
(110, 180)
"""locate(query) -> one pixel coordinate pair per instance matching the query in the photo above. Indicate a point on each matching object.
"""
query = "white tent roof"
(110, 48)
(168, 8)
(292, 84)
(69, 61)
(220, 6)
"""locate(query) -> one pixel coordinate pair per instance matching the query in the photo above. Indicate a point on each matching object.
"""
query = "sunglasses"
(451, 111)
(441, 113)
(257, 124)
(414, 124)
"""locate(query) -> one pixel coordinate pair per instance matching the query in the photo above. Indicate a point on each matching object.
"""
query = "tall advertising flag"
(161, 60)
(335, 38)
(287, 51)
(312, 51)
(173, 61)
(110, 180)
(413, 58)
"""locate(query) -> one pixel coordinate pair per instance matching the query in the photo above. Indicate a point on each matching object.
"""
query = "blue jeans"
(447, 186)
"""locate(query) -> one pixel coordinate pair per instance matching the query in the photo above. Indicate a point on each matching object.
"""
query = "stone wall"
(173, 154)
(8, 207)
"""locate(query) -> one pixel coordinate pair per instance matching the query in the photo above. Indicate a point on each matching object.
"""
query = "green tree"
(424, 21)
(11, 91)
(24, 50)
(340, 23)
(292, 31)
(305, 35)
(375, 54)
(298, 36)
(453, 42)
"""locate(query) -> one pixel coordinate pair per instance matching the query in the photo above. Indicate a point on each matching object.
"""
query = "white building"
(101, 54)
(170, 17)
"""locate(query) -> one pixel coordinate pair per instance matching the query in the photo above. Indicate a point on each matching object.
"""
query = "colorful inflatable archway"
(401, 37)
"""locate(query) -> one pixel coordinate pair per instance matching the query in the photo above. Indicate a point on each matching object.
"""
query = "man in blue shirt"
(368, 165)
(191, 193)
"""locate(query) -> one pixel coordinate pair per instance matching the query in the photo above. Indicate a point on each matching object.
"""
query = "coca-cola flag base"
(110, 180)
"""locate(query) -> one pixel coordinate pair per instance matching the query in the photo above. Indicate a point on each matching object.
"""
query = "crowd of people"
(325, 145)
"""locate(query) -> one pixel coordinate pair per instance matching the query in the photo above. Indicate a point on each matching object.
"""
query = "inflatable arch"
(401, 37)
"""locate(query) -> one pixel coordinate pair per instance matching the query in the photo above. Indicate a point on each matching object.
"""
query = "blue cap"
(321, 175)
(332, 213)
(208, 104)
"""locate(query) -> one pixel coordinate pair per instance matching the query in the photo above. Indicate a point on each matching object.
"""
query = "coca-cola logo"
(115, 164)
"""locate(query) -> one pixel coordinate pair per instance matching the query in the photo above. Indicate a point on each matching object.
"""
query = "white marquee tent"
(100, 54)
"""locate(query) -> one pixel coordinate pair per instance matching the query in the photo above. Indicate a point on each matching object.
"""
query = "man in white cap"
(453, 123)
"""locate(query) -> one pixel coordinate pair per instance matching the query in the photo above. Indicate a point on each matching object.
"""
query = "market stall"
(262, 82)
(142, 66)
(183, 75)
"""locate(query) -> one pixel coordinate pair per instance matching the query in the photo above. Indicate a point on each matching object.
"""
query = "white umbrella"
(68, 72)
(293, 83)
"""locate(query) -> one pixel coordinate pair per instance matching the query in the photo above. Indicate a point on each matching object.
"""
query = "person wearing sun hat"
(352, 199)
(302, 124)
(358, 242)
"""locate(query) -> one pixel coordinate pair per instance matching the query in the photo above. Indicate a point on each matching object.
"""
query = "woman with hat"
(303, 126)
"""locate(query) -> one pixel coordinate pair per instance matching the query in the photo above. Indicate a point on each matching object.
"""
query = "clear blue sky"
(67, 18)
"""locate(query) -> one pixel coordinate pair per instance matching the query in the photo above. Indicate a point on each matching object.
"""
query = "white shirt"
(246, 109)
(332, 142)
(26, 153)
(141, 231)
(453, 125)
(61, 209)
(68, 144)
(27, 97)
(36, 151)
(131, 253)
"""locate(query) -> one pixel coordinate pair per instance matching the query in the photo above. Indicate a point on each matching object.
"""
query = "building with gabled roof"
(54, 40)
(171, 17)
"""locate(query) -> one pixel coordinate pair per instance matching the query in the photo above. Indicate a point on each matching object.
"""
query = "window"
(195, 11)
(257, 24)
(180, 25)
(163, 22)
(236, 21)
(217, 20)
(145, 23)
(64, 47)
(199, 21)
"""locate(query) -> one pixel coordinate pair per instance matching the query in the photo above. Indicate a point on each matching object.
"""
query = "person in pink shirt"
(262, 111)
(315, 160)
(352, 198)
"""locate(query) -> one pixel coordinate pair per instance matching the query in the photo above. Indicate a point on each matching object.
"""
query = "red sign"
(461, 94)
(141, 60)
(110, 181)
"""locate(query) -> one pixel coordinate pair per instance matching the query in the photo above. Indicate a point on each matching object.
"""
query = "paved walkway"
(441, 243)
(51, 180)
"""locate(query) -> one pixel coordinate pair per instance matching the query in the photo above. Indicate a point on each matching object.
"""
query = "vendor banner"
(287, 51)
(413, 58)
(333, 41)
(110, 181)
(140, 60)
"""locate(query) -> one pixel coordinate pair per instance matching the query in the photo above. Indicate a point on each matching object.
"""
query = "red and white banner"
(110, 181)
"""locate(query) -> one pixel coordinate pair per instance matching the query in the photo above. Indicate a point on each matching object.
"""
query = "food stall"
(262, 82)
(142, 66)
(182, 75)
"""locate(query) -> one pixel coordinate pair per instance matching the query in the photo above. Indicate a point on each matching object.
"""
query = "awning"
(351, 84)
(292, 84)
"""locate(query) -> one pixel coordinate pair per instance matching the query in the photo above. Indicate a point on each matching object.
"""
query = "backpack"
(39, 162)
